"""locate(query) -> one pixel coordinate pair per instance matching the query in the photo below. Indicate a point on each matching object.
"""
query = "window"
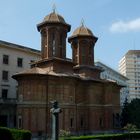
(71, 99)
(101, 122)
(19, 122)
(5, 59)
(19, 62)
(5, 75)
(82, 122)
(71, 122)
(83, 51)
(61, 53)
(53, 44)
(61, 39)
(61, 45)
(4, 93)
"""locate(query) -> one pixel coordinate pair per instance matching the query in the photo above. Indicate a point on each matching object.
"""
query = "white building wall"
(130, 67)
(12, 67)
(111, 74)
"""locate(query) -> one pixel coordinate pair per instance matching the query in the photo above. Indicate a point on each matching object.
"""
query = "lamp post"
(55, 110)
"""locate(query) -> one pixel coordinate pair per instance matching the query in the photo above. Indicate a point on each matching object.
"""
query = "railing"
(8, 101)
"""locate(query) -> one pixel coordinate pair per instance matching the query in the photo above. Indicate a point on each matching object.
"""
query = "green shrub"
(21, 134)
(14, 134)
(5, 134)
(107, 136)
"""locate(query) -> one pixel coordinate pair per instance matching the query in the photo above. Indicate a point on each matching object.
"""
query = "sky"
(116, 23)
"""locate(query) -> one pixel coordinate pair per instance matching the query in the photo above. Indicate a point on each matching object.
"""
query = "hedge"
(124, 136)
(14, 134)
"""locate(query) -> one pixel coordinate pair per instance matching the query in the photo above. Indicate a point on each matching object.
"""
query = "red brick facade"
(88, 103)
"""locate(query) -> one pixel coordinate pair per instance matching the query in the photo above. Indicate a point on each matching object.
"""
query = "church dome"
(54, 17)
(82, 31)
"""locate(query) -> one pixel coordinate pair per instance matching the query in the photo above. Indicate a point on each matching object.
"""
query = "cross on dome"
(82, 22)
(54, 8)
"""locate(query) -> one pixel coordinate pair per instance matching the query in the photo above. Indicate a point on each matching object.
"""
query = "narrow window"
(4, 93)
(61, 39)
(83, 54)
(19, 62)
(82, 122)
(71, 122)
(61, 45)
(101, 122)
(5, 75)
(5, 59)
(71, 99)
(61, 53)
(53, 44)
(19, 122)
(113, 120)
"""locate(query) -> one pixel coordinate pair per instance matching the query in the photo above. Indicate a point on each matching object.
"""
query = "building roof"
(98, 63)
(133, 52)
(82, 31)
(35, 70)
(20, 47)
(54, 17)
(40, 71)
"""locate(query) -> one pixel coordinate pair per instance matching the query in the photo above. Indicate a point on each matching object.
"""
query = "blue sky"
(116, 23)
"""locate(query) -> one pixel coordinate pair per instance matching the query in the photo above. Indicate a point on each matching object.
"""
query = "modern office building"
(13, 58)
(111, 74)
(129, 66)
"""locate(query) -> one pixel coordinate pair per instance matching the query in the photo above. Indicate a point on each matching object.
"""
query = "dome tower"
(82, 43)
(53, 31)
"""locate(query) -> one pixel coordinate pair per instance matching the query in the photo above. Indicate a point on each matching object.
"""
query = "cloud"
(122, 26)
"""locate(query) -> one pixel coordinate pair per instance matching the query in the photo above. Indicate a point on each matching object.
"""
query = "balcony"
(8, 101)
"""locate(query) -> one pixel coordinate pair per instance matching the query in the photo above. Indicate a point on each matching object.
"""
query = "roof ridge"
(9, 44)
(57, 16)
(80, 29)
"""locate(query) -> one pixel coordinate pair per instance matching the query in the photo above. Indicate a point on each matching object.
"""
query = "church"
(89, 104)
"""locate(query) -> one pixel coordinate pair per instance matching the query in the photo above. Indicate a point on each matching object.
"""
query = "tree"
(125, 114)
(134, 112)
(130, 113)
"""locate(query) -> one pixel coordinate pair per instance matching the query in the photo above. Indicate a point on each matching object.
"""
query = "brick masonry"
(88, 103)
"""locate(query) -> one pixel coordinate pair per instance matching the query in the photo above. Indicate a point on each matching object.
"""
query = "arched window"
(61, 44)
(43, 41)
(71, 122)
(83, 53)
(61, 39)
(44, 36)
(82, 122)
(53, 44)
(101, 122)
